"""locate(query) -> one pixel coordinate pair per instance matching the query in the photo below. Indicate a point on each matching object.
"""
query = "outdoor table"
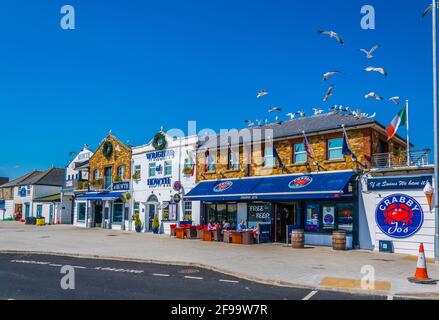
(227, 236)
(207, 235)
(180, 233)
(237, 237)
(248, 237)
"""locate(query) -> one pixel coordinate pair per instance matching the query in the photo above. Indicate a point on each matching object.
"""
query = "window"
(136, 208)
(335, 149)
(28, 190)
(151, 170)
(312, 222)
(39, 211)
(268, 157)
(137, 171)
(96, 175)
(187, 210)
(328, 217)
(121, 172)
(117, 212)
(222, 211)
(211, 163)
(168, 168)
(81, 211)
(300, 155)
(233, 160)
(345, 216)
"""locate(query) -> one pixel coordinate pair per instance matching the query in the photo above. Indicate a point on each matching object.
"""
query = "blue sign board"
(159, 182)
(400, 183)
(264, 233)
(160, 155)
(121, 186)
(399, 216)
(23, 192)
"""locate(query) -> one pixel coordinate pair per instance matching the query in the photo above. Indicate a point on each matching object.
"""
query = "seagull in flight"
(274, 109)
(428, 10)
(395, 100)
(373, 95)
(332, 34)
(379, 70)
(369, 54)
(301, 114)
(329, 74)
(328, 93)
(261, 93)
(291, 116)
(318, 111)
(249, 123)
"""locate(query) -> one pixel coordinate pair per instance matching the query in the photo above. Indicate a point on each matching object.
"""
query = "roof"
(50, 177)
(52, 198)
(19, 180)
(311, 125)
(3, 180)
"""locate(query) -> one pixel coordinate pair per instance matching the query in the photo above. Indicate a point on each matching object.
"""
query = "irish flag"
(399, 120)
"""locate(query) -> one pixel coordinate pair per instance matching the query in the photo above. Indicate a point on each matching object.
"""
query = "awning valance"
(109, 196)
(286, 187)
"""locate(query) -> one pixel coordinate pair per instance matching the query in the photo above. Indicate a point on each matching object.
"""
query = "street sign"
(177, 198)
(177, 186)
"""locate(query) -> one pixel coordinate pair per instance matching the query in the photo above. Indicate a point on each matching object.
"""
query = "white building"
(157, 167)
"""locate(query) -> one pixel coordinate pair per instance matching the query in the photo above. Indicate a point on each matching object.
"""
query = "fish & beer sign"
(400, 183)
(223, 186)
(300, 182)
(399, 216)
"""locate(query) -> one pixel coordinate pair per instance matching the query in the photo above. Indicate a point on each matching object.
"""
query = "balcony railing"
(419, 158)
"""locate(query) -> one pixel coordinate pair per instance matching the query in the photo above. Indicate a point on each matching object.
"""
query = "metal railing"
(417, 158)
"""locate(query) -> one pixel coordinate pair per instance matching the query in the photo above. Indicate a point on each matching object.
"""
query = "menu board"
(260, 212)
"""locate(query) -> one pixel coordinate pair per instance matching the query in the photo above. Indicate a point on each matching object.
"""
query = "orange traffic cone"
(421, 275)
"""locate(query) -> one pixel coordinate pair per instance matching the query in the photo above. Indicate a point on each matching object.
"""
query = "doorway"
(19, 208)
(151, 211)
(285, 216)
(98, 214)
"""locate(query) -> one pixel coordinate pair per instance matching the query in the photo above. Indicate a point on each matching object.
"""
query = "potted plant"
(136, 176)
(187, 170)
(137, 223)
(155, 225)
(97, 183)
(117, 179)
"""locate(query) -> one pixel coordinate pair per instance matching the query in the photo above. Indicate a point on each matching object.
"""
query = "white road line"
(55, 265)
(160, 275)
(194, 278)
(79, 267)
(229, 281)
(389, 297)
(10, 299)
(310, 295)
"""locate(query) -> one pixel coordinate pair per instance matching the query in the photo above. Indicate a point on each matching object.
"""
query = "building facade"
(291, 175)
(163, 171)
(107, 203)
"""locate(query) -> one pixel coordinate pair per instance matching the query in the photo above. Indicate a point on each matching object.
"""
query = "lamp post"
(436, 138)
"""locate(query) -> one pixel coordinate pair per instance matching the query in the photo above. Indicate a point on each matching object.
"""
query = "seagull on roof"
(369, 54)
(249, 123)
(395, 100)
(372, 116)
(277, 120)
(291, 116)
(259, 122)
(261, 93)
(379, 70)
(328, 93)
(373, 95)
(428, 10)
(329, 74)
(274, 109)
(317, 111)
(301, 114)
(332, 34)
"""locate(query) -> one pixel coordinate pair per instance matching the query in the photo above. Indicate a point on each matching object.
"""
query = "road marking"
(194, 278)
(160, 275)
(229, 281)
(310, 295)
(10, 299)
(55, 265)
(79, 267)
(389, 297)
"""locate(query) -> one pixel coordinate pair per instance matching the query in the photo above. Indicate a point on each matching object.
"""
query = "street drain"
(189, 271)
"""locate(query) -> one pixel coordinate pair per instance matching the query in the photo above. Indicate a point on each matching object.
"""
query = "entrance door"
(151, 214)
(19, 208)
(98, 214)
(26, 210)
(50, 213)
(285, 217)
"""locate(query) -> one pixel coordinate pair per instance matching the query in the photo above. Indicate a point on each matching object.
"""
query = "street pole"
(408, 132)
(436, 138)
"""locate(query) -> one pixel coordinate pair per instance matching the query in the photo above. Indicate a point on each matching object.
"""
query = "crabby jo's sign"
(399, 216)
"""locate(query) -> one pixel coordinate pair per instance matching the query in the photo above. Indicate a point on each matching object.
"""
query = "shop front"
(317, 203)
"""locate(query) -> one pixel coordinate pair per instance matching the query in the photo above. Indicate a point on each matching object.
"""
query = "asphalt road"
(39, 277)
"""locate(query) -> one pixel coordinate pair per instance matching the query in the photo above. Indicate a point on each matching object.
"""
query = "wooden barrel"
(298, 239)
(339, 240)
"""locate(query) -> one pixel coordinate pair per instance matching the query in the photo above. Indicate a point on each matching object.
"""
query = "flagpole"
(408, 132)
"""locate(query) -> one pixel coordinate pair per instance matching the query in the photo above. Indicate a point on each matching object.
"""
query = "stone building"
(294, 174)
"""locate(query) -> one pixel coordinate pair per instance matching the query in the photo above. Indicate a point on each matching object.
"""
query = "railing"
(419, 158)
(76, 184)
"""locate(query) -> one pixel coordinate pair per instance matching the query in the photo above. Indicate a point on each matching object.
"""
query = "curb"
(207, 267)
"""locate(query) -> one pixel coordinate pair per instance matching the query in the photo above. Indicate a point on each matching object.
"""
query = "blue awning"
(109, 196)
(286, 187)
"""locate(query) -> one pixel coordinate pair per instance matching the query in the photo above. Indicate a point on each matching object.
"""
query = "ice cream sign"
(399, 216)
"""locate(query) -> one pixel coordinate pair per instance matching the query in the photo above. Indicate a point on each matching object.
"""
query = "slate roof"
(291, 128)
(19, 180)
(51, 177)
(3, 180)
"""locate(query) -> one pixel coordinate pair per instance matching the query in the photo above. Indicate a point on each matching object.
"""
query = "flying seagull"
(427, 11)
(249, 123)
(328, 93)
(369, 54)
(317, 111)
(329, 74)
(261, 94)
(395, 100)
(291, 116)
(379, 70)
(373, 95)
(274, 109)
(332, 34)
(301, 114)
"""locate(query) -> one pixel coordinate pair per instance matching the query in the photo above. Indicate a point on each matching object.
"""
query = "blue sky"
(132, 66)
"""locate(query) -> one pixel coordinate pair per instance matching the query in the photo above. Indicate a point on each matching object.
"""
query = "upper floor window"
(210, 162)
(151, 170)
(168, 168)
(335, 149)
(300, 155)
(137, 172)
(121, 172)
(233, 160)
(269, 160)
(96, 175)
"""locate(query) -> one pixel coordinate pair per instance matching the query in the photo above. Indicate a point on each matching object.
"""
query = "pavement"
(314, 268)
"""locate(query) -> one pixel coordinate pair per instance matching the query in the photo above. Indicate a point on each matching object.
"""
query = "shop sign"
(121, 186)
(400, 183)
(177, 186)
(264, 233)
(160, 155)
(399, 216)
(300, 182)
(223, 186)
(328, 217)
(23, 192)
(259, 212)
(177, 198)
(159, 182)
